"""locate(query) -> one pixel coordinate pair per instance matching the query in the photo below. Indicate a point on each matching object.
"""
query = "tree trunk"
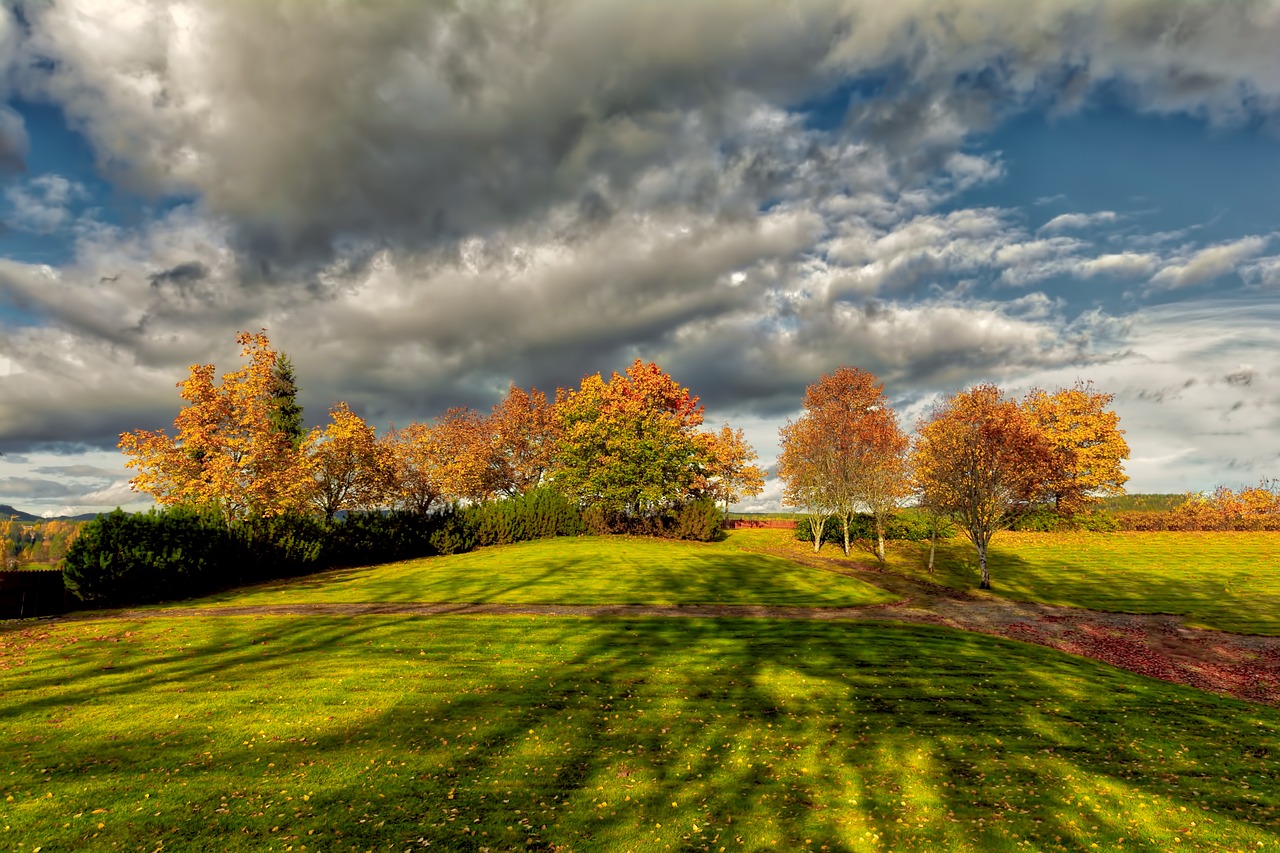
(879, 540)
(817, 530)
(844, 523)
(982, 563)
(933, 543)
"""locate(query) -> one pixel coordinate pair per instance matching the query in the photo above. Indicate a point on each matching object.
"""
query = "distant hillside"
(8, 513)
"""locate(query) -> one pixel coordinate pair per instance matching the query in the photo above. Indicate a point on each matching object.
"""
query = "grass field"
(1228, 581)
(487, 734)
(580, 570)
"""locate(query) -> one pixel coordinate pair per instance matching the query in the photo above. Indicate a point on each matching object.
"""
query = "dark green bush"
(698, 519)
(364, 538)
(1043, 519)
(540, 514)
(455, 530)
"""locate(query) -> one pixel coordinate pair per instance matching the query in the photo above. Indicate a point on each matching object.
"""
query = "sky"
(425, 202)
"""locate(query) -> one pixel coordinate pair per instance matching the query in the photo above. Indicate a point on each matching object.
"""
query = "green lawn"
(579, 570)
(1229, 581)
(488, 733)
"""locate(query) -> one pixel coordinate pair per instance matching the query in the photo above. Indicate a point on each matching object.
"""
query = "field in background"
(1228, 581)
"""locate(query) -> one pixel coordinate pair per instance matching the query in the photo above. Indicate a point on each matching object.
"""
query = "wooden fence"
(769, 523)
(31, 593)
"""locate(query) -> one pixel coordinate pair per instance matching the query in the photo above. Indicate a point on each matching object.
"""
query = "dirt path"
(1239, 665)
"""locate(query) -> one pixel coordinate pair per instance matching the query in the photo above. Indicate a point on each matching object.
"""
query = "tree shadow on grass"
(572, 571)
(473, 733)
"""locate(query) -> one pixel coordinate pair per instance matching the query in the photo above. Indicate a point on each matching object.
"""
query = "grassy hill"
(580, 570)
(484, 733)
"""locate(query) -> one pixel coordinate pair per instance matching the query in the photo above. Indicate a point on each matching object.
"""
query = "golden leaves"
(226, 454)
(1087, 441)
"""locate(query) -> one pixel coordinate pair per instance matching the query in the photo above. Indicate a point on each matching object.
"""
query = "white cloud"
(1207, 264)
(1075, 221)
(1262, 271)
(43, 204)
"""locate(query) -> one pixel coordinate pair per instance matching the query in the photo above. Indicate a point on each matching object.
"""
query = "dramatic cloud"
(414, 123)
(424, 202)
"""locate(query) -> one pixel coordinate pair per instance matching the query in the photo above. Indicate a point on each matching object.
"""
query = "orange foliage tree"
(415, 483)
(353, 471)
(852, 453)
(731, 473)
(227, 454)
(977, 457)
(463, 446)
(442, 462)
(630, 445)
(1251, 508)
(525, 434)
(1088, 445)
(803, 466)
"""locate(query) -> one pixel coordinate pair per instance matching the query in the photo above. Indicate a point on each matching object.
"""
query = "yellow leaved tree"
(353, 470)
(1088, 445)
(227, 454)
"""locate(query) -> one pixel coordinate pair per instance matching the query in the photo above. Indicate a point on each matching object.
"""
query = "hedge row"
(124, 558)
(1190, 520)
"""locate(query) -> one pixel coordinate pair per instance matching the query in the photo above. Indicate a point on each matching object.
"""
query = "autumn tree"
(445, 461)
(227, 454)
(802, 466)
(731, 473)
(886, 481)
(415, 483)
(525, 433)
(977, 457)
(463, 446)
(1088, 445)
(852, 452)
(629, 444)
(353, 471)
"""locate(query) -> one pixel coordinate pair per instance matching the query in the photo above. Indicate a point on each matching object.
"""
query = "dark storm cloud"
(181, 276)
(414, 123)
(423, 201)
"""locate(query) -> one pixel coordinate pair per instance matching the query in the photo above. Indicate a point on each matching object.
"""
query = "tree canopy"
(845, 454)
(630, 444)
(1088, 445)
(976, 458)
(228, 453)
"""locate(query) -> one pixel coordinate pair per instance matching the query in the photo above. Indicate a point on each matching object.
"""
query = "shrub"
(178, 552)
(455, 530)
(377, 537)
(121, 557)
(540, 514)
(281, 546)
(698, 519)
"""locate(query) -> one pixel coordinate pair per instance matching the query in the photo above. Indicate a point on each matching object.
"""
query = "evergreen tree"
(286, 415)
